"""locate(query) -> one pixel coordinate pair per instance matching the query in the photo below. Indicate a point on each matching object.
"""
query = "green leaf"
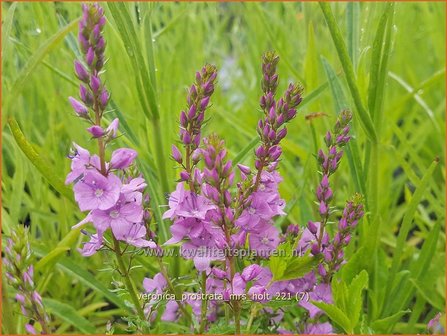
(37, 57)
(278, 261)
(243, 153)
(383, 325)
(340, 293)
(6, 28)
(379, 64)
(338, 95)
(144, 77)
(352, 23)
(336, 315)
(123, 22)
(286, 265)
(54, 254)
(68, 314)
(340, 45)
(310, 66)
(298, 266)
(432, 298)
(355, 301)
(418, 269)
(42, 165)
(407, 221)
(87, 279)
(413, 92)
(64, 245)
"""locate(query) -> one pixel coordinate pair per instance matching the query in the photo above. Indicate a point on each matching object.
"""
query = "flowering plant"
(213, 211)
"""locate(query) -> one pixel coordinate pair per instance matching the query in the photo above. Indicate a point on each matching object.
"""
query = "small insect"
(315, 115)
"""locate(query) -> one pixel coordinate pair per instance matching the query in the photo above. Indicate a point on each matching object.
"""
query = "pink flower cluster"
(114, 199)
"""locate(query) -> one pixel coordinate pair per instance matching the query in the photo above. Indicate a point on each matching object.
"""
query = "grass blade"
(406, 224)
(145, 86)
(6, 28)
(342, 52)
(86, 278)
(379, 64)
(38, 56)
(68, 314)
(42, 166)
(352, 22)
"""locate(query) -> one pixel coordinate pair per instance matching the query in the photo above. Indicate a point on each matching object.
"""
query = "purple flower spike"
(293, 230)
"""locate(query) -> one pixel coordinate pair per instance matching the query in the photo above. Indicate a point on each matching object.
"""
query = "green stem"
(171, 288)
(237, 316)
(124, 272)
(204, 305)
(158, 141)
(254, 311)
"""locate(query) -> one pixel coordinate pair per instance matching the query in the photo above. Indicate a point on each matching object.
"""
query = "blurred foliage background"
(398, 60)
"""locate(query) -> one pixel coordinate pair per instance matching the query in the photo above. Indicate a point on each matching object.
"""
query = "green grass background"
(397, 57)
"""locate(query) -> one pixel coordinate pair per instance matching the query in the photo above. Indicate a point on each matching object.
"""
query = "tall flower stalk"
(211, 222)
(329, 163)
(20, 275)
(112, 191)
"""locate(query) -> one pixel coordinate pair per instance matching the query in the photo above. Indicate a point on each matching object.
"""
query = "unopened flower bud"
(85, 95)
(96, 131)
(122, 158)
(183, 119)
(90, 57)
(315, 249)
(95, 84)
(113, 128)
(104, 99)
(78, 107)
(313, 228)
(81, 72)
(184, 176)
(176, 155)
(204, 103)
(246, 170)
(186, 138)
(192, 112)
(328, 139)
